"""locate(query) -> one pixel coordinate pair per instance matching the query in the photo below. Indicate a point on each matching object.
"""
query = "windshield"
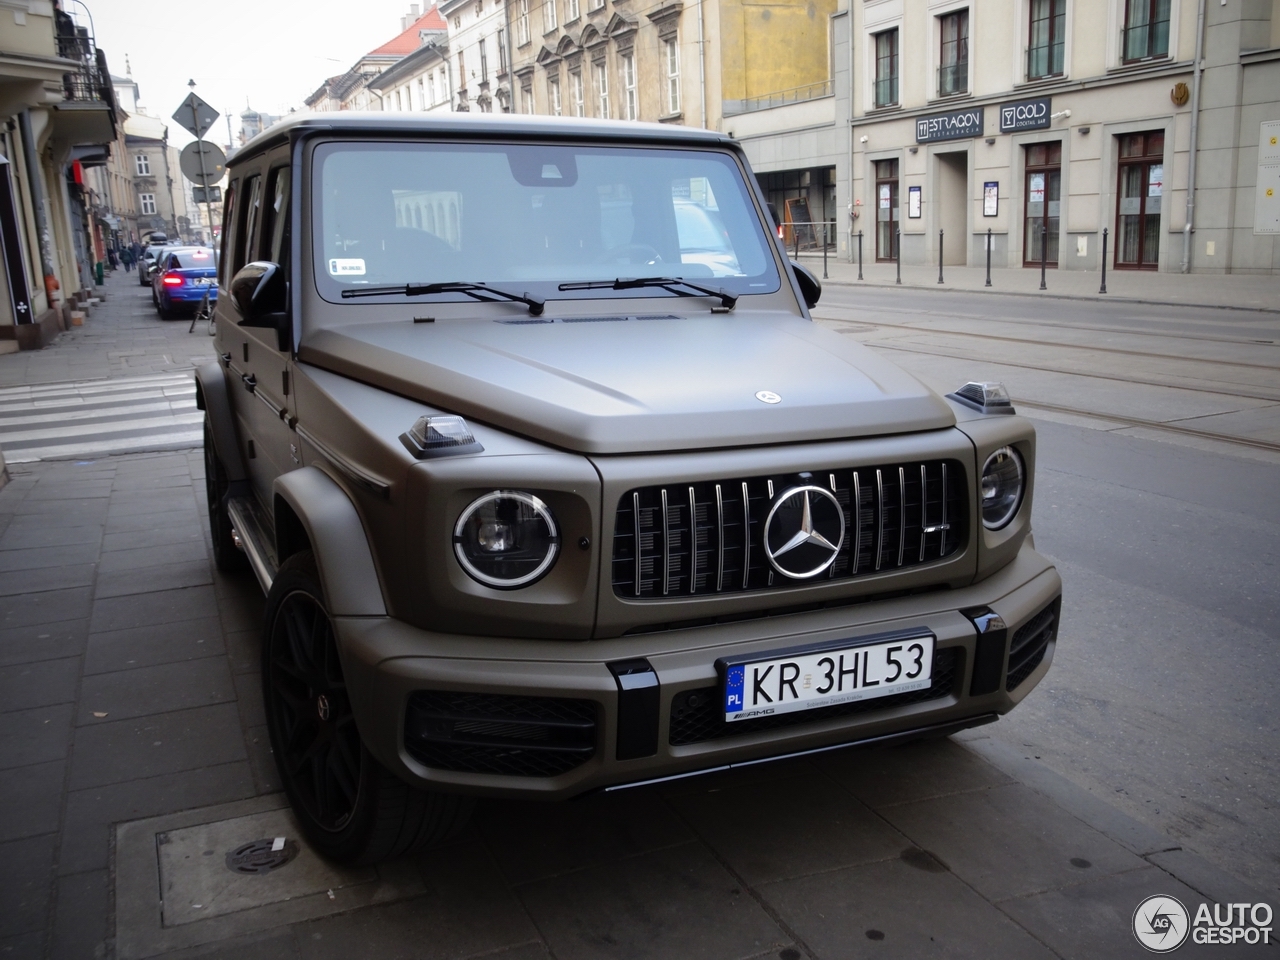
(194, 260)
(530, 217)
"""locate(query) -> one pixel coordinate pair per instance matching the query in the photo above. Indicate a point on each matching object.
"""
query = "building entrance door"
(1140, 190)
(887, 217)
(953, 205)
(1043, 203)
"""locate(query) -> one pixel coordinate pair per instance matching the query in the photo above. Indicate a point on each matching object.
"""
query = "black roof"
(473, 125)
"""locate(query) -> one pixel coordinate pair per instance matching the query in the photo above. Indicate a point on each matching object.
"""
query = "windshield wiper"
(475, 290)
(671, 284)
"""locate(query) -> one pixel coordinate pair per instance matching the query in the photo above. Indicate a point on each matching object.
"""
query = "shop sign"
(1026, 115)
(956, 125)
(913, 203)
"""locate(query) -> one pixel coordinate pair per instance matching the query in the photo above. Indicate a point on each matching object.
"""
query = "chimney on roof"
(411, 19)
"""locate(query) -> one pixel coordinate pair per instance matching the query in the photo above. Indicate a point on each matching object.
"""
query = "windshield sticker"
(353, 267)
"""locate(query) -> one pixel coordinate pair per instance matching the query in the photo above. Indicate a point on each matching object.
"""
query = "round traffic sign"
(215, 163)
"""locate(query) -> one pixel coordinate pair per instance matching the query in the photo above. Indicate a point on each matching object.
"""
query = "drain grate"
(261, 856)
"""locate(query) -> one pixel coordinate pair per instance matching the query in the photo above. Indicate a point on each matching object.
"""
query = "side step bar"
(249, 535)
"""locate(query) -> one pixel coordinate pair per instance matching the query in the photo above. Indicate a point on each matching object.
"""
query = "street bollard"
(795, 236)
(824, 251)
(939, 256)
(859, 254)
(897, 254)
(1103, 288)
(1043, 253)
(988, 283)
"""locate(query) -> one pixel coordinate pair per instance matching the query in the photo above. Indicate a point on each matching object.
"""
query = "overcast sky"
(271, 51)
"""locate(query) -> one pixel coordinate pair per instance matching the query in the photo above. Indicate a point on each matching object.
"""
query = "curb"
(1096, 298)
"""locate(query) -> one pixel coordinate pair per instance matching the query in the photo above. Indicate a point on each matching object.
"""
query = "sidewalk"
(1248, 292)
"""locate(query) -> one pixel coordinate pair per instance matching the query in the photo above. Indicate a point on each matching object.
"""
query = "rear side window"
(247, 223)
(228, 233)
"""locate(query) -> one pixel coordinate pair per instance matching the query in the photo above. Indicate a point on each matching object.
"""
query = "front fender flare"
(213, 399)
(338, 542)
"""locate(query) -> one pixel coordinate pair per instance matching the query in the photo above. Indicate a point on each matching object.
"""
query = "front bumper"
(387, 662)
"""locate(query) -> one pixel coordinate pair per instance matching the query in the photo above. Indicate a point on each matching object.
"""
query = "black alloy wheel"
(226, 556)
(352, 809)
(319, 753)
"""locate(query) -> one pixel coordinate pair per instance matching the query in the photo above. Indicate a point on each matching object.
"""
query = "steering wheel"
(631, 253)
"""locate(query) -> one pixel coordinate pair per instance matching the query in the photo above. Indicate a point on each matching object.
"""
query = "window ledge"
(881, 110)
(1138, 66)
(1048, 81)
(672, 117)
(569, 23)
(951, 98)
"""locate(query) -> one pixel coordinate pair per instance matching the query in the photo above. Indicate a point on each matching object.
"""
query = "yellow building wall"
(773, 46)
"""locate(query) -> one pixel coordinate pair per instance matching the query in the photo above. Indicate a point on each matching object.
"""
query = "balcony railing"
(886, 91)
(1145, 41)
(90, 82)
(809, 91)
(953, 78)
(1045, 60)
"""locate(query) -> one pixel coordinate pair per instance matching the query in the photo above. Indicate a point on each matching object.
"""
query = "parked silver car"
(554, 486)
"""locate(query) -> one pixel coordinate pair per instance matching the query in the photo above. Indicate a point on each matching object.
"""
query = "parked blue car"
(182, 278)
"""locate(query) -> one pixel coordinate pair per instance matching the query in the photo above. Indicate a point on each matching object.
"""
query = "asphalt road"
(1162, 696)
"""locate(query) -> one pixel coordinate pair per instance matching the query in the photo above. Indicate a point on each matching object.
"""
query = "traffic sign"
(202, 163)
(212, 195)
(196, 115)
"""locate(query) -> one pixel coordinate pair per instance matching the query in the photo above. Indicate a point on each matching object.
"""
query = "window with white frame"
(422, 94)
(573, 10)
(549, 21)
(148, 202)
(431, 87)
(629, 86)
(553, 96)
(575, 94)
(953, 54)
(886, 84)
(502, 51)
(602, 90)
(526, 98)
(142, 163)
(596, 4)
(1146, 29)
(484, 61)
(399, 104)
(672, 59)
(522, 22)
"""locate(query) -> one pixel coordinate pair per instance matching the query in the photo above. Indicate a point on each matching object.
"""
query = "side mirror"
(260, 293)
(810, 286)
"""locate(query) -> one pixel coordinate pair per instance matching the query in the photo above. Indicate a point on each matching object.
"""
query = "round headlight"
(506, 539)
(1002, 481)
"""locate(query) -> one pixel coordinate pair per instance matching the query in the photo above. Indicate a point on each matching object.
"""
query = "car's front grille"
(496, 733)
(1030, 643)
(698, 715)
(694, 539)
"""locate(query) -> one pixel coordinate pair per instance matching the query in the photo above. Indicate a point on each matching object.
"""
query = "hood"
(638, 385)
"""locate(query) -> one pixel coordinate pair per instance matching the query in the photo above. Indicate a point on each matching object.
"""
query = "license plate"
(202, 281)
(811, 677)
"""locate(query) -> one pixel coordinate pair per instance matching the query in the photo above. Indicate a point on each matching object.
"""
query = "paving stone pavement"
(129, 694)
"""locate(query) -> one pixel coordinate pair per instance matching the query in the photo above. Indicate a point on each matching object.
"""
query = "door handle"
(250, 381)
(225, 358)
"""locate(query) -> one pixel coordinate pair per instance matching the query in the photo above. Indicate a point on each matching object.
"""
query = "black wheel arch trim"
(213, 399)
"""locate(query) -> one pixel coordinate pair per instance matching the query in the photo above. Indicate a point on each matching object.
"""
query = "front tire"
(352, 809)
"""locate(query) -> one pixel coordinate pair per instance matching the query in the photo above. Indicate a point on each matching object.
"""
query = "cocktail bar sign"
(1025, 115)
(956, 125)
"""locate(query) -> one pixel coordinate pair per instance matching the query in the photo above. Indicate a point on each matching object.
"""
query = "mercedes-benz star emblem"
(808, 533)
(322, 707)
(767, 396)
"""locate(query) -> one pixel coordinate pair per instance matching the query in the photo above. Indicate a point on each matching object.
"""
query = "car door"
(258, 368)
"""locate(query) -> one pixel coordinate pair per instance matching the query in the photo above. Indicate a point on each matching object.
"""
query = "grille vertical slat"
(663, 537)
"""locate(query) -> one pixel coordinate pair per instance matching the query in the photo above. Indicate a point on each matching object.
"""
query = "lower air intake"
(500, 734)
(1030, 643)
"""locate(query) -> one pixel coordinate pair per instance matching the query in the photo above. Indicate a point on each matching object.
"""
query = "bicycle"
(204, 312)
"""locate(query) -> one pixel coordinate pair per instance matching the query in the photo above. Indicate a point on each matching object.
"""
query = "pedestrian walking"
(126, 257)
(111, 258)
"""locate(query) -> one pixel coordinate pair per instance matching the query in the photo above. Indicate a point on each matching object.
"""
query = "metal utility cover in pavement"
(173, 888)
(196, 115)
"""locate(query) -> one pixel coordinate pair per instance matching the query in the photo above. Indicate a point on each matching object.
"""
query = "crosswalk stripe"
(96, 417)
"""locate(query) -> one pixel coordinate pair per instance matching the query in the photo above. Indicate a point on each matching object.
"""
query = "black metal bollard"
(897, 253)
(1103, 288)
(824, 251)
(859, 254)
(1044, 252)
(988, 283)
(795, 236)
(939, 256)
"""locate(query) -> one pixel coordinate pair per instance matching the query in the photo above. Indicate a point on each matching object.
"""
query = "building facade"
(1045, 124)
(479, 55)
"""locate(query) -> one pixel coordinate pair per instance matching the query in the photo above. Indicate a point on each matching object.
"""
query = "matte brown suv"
(554, 486)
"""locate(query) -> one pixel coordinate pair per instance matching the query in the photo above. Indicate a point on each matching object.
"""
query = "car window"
(228, 233)
(192, 260)
(246, 242)
(278, 217)
(536, 215)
